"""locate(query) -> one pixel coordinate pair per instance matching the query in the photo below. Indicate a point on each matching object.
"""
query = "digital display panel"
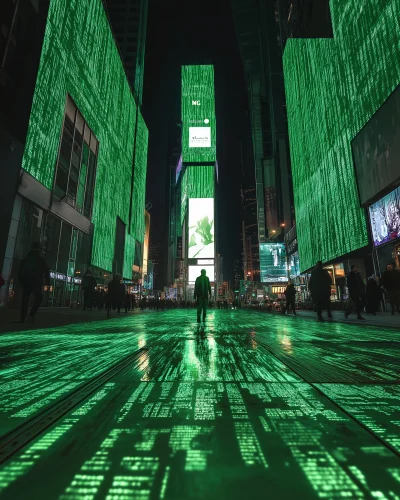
(198, 114)
(80, 58)
(201, 228)
(197, 182)
(273, 265)
(333, 87)
(376, 150)
(195, 271)
(385, 218)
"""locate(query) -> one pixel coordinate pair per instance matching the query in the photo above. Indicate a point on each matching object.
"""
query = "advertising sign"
(198, 114)
(195, 271)
(385, 218)
(199, 137)
(377, 150)
(273, 266)
(201, 228)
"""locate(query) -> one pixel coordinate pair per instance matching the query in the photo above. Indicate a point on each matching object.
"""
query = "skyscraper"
(258, 33)
(129, 21)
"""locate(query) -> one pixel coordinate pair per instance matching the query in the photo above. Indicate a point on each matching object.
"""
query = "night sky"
(184, 32)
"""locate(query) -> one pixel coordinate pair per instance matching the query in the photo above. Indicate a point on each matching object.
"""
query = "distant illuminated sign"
(273, 266)
(201, 228)
(198, 114)
(199, 137)
(195, 271)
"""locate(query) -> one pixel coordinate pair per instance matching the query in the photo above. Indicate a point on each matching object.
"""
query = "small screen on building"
(273, 266)
(385, 218)
(195, 271)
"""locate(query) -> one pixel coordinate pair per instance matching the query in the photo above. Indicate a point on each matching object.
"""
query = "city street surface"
(146, 406)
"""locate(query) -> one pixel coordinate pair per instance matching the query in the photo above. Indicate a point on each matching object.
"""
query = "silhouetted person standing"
(373, 295)
(356, 287)
(116, 293)
(89, 284)
(202, 292)
(391, 283)
(320, 287)
(290, 294)
(33, 272)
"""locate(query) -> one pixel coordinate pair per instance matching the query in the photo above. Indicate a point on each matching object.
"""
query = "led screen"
(385, 218)
(201, 228)
(377, 150)
(79, 57)
(333, 87)
(273, 265)
(195, 271)
(198, 114)
(197, 182)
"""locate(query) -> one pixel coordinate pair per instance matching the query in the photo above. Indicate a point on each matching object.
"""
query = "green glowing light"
(79, 57)
(333, 87)
(198, 114)
(197, 182)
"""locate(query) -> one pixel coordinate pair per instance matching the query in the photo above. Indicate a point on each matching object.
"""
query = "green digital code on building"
(333, 87)
(80, 59)
(198, 114)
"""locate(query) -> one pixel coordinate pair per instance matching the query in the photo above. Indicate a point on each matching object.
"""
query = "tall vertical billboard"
(201, 228)
(198, 114)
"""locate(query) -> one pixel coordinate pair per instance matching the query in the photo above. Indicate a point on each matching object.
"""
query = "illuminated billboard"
(273, 265)
(195, 271)
(201, 228)
(385, 218)
(198, 114)
(377, 151)
(333, 87)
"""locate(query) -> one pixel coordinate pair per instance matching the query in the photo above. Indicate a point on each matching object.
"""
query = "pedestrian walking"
(320, 287)
(391, 283)
(89, 284)
(127, 301)
(356, 287)
(373, 296)
(116, 294)
(202, 292)
(33, 273)
(290, 294)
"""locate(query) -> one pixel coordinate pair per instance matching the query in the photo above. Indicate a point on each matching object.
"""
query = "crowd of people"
(366, 297)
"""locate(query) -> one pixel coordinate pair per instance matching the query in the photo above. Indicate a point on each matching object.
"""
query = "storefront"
(66, 250)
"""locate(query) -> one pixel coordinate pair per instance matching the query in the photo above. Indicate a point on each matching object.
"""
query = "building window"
(77, 161)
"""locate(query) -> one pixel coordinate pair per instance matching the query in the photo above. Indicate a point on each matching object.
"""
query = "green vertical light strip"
(197, 182)
(333, 87)
(129, 255)
(79, 57)
(198, 112)
(139, 187)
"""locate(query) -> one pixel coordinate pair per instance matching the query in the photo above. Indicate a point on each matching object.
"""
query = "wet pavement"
(254, 406)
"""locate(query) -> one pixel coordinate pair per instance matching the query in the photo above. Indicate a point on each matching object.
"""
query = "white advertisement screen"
(199, 137)
(201, 228)
(195, 271)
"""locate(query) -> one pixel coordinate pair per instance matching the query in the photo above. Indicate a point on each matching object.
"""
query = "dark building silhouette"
(128, 20)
